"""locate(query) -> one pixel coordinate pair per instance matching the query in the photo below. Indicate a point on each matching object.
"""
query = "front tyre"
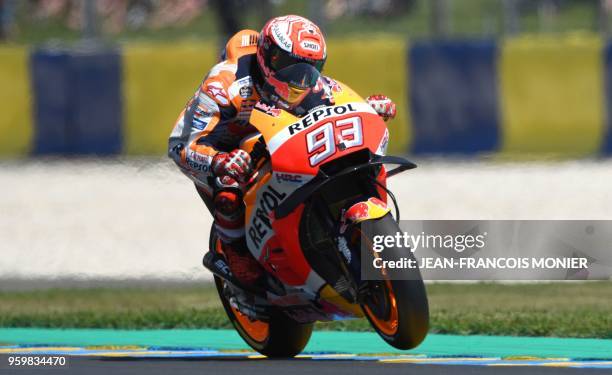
(280, 337)
(397, 309)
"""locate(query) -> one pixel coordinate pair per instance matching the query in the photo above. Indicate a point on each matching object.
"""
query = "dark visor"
(280, 59)
(301, 76)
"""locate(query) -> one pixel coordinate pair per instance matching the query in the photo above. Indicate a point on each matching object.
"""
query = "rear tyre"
(397, 309)
(280, 337)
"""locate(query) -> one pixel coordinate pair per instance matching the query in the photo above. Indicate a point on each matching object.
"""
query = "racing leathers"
(206, 139)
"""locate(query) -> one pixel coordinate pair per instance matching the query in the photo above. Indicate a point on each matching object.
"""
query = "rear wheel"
(397, 309)
(280, 337)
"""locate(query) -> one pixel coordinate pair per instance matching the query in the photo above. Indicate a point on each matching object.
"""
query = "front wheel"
(280, 337)
(397, 309)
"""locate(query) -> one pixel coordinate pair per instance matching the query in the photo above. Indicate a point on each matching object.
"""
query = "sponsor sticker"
(320, 114)
(245, 91)
(335, 86)
(198, 162)
(382, 147)
(261, 226)
(268, 109)
(195, 166)
(246, 107)
(217, 92)
(199, 124)
(289, 177)
(201, 119)
(281, 38)
(310, 46)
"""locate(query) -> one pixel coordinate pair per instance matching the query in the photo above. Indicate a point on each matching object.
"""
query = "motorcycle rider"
(206, 137)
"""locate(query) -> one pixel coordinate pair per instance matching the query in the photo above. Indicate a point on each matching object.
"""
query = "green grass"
(555, 309)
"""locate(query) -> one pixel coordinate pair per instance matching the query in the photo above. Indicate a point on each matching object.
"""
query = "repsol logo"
(197, 166)
(260, 224)
(320, 114)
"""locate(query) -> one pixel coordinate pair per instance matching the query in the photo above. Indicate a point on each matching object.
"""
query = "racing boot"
(229, 223)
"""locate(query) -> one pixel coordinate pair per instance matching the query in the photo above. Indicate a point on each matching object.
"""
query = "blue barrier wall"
(453, 97)
(606, 148)
(531, 95)
(77, 102)
(51, 81)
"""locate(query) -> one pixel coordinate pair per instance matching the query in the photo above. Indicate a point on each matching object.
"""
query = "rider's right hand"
(236, 164)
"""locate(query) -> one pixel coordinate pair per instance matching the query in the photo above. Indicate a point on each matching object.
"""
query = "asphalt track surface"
(174, 366)
(223, 351)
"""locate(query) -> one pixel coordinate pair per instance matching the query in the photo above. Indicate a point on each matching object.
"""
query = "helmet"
(289, 40)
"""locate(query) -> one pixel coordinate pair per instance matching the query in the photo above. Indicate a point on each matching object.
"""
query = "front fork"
(344, 229)
(349, 236)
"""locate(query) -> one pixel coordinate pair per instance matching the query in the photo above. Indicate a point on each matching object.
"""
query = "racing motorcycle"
(318, 195)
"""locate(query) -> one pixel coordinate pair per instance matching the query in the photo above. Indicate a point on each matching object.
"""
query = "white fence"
(141, 220)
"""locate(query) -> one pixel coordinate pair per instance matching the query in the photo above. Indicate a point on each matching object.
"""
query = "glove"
(382, 105)
(234, 166)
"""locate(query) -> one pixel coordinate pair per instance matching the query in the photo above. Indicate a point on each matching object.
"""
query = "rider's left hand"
(383, 105)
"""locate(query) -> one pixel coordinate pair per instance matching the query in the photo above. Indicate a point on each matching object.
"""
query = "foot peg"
(217, 265)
